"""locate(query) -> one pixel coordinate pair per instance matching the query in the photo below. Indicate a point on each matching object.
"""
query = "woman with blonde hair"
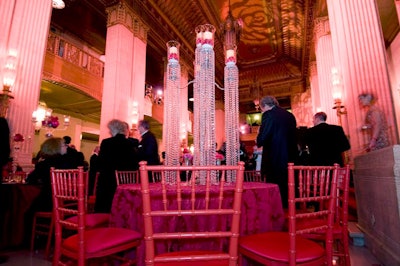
(51, 152)
(375, 123)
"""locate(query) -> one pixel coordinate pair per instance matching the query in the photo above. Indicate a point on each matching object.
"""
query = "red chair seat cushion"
(99, 239)
(191, 263)
(275, 246)
(93, 220)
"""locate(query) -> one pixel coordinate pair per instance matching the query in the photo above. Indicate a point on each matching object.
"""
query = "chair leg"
(49, 238)
(39, 227)
(33, 235)
(346, 251)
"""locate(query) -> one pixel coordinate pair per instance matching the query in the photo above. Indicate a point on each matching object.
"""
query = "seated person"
(52, 151)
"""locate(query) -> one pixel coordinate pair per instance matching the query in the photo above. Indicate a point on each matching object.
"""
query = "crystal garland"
(171, 105)
(231, 94)
(206, 100)
(196, 95)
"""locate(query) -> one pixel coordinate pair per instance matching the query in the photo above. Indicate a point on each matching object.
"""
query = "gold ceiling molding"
(322, 27)
(123, 14)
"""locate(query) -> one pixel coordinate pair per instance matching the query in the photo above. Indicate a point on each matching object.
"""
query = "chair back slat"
(188, 200)
(253, 176)
(126, 177)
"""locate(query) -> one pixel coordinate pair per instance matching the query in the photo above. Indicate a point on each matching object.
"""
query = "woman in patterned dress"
(375, 123)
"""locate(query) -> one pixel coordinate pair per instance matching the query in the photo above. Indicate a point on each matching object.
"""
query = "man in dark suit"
(4, 158)
(73, 156)
(277, 136)
(326, 143)
(4, 144)
(116, 153)
(148, 147)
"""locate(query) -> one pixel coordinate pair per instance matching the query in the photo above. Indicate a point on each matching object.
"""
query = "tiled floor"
(360, 256)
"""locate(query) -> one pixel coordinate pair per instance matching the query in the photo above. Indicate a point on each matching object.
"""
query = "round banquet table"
(15, 201)
(261, 211)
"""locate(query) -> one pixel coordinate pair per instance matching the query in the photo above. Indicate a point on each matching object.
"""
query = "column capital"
(313, 68)
(123, 14)
(322, 27)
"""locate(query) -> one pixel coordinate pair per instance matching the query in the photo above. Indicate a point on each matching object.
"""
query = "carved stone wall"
(302, 108)
(377, 187)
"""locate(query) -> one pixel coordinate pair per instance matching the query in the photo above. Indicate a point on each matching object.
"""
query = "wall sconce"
(135, 115)
(155, 97)
(255, 87)
(244, 129)
(58, 4)
(9, 76)
(42, 118)
(231, 30)
(337, 94)
(253, 119)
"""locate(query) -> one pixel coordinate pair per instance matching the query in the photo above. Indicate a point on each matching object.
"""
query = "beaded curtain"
(231, 95)
(172, 109)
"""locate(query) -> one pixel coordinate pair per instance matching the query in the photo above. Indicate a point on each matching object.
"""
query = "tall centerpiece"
(50, 123)
(18, 141)
(231, 30)
(171, 105)
(204, 113)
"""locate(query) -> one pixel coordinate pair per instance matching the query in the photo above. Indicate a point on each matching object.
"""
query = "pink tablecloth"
(261, 210)
(15, 201)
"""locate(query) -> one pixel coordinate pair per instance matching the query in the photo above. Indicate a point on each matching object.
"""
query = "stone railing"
(69, 65)
(71, 53)
(377, 187)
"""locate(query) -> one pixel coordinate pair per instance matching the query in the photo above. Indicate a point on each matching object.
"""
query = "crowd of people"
(322, 144)
(118, 152)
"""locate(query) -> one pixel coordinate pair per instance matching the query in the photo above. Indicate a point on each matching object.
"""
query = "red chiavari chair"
(340, 227)
(194, 204)
(68, 187)
(314, 184)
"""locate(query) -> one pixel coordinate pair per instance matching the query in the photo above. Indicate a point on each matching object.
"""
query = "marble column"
(325, 63)
(360, 57)
(24, 28)
(314, 86)
(397, 3)
(125, 66)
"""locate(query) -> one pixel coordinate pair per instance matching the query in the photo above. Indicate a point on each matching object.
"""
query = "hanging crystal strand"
(196, 97)
(206, 102)
(231, 93)
(171, 105)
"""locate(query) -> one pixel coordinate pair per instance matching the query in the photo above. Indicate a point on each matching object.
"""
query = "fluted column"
(125, 66)
(314, 85)
(24, 28)
(359, 53)
(325, 63)
(397, 3)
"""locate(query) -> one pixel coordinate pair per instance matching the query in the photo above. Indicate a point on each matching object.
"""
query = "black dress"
(116, 153)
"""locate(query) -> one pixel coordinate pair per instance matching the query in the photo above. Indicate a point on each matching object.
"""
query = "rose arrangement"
(187, 156)
(219, 156)
(51, 122)
(18, 138)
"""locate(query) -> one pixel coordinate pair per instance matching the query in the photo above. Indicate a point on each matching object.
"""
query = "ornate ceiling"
(275, 47)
